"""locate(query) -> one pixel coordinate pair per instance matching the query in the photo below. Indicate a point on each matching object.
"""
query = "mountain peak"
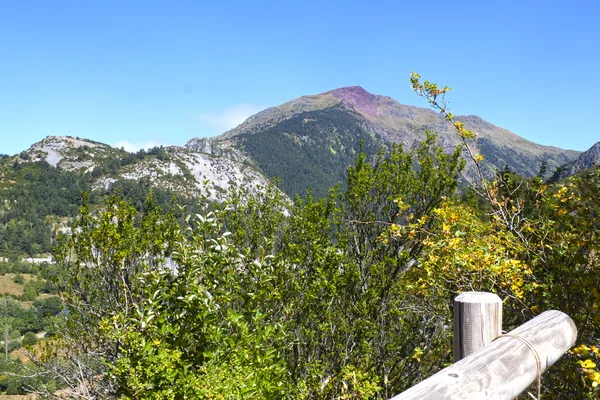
(358, 98)
(352, 93)
(350, 90)
(68, 141)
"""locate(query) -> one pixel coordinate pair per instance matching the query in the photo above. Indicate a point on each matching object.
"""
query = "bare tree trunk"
(6, 343)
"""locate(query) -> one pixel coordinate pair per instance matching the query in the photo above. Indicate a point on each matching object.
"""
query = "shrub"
(14, 388)
(18, 279)
(14, 345)
(29, 339)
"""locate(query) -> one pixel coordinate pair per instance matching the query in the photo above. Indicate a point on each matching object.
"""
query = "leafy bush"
(29, 339)
(32, 289)
(14, 345)
(14, 388)
(48, 307)
(18, 279)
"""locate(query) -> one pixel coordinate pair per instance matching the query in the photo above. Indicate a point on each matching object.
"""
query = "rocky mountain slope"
(586, 160)
(310, 141)
(41, 188)
(71, 154)
(180, 170)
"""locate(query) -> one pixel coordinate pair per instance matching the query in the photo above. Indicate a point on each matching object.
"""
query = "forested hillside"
(40, 201)
(35, 199)
(317, 158)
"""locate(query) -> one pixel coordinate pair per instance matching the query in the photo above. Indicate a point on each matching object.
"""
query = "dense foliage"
(39, 196)
(38, 200)
(347, 296)
(252, 300)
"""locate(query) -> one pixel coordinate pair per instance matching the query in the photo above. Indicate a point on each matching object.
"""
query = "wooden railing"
(491, 365)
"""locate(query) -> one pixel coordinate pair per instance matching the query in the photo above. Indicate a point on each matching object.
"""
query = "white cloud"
(230, 117)
(135, 146)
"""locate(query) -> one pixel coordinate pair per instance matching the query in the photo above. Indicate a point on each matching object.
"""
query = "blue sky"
(140, 73)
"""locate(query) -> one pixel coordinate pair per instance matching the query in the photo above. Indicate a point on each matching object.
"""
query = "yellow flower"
(581, 350)
(417, 354)
(588, 364)
(561, 193)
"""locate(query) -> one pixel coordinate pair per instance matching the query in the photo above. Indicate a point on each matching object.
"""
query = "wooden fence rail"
(504, 368)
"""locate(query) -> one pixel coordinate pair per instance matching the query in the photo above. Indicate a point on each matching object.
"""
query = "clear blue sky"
(161, 72)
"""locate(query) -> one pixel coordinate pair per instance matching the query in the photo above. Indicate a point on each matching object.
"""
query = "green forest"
(319, 145)
(38, 201)
(343, 294)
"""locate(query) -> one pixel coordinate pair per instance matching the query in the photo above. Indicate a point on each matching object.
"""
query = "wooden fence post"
(477, 321)
(504, 368)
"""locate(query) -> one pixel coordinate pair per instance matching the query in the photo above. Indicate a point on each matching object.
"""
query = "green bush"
(18, 279)
(48, 307)
(14, 388)
(32, 289)
(14, 345)
(29, 339)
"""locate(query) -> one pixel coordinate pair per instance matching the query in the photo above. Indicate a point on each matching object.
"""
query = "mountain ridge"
(381, 121)
(189, 173)
(586, 160)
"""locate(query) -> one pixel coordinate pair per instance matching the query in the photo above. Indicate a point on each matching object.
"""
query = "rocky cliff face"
(216, 148)
(586, 160)
(195, 174)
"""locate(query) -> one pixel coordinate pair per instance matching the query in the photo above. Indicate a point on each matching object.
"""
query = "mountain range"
(310, 141)
(307, 143)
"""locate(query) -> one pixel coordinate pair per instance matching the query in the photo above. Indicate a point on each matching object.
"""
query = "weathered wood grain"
(477, 321)
(504, 368)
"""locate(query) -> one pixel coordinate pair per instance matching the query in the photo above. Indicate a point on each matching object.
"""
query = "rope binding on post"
(538, 361)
